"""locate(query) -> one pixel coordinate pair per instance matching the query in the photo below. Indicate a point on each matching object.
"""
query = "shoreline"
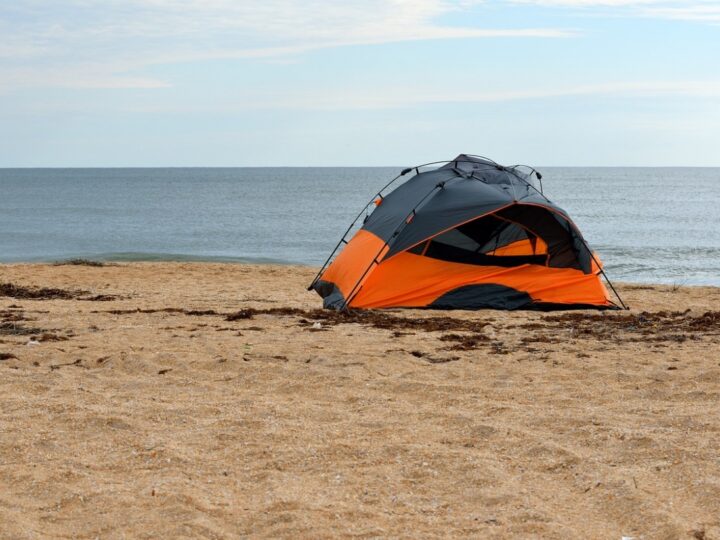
(120, 259)
(219, 399)
(130, 258)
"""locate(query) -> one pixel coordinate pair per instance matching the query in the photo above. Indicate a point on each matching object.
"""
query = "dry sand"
(139, 410)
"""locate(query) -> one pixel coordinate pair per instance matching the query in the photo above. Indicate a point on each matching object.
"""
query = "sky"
(88, 83)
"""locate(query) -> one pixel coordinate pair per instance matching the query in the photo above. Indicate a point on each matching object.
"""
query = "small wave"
(131, 256)
(181, 257)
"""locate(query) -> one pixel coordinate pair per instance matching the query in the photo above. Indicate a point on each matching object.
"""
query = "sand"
(130, 406)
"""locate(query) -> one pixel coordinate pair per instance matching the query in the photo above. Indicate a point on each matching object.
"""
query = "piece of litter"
(32, 343)
(317, 325)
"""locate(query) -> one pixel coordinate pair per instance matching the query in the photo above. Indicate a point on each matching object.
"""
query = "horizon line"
(56, 167)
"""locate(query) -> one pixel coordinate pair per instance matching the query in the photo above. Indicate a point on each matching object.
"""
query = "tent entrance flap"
(490, 241)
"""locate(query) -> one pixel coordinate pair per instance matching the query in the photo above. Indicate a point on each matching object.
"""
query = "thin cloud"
(391, 98)
(698, 13)
(399, 97)
(707, 11)
(111, 39)
(589, 3)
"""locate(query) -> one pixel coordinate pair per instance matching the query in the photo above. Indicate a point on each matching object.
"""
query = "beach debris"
(12, 316)
(315, 327)
(676, 286)
(539, 338)
(103, 298)
(164, 371)
(441, 360)
(82, 262)
(475, 333)
(78, 362)
(37, 293)
(46, 293)
(35, 335)
(14, 329)
(498, 347)
(656, 326)
(200, 313)
(433, 359)
(46, 336)
(240, 315)
(465, 342)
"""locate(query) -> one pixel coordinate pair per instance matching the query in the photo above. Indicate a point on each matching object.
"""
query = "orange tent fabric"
(470, 234)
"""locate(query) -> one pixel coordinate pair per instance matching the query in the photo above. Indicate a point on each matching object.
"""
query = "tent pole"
(602, 271)
(342, 239)
(355, 289)
(378, 194)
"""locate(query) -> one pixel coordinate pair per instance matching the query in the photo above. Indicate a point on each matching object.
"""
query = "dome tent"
(468, 234)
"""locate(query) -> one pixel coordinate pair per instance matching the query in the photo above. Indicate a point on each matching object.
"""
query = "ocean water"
(647, 224)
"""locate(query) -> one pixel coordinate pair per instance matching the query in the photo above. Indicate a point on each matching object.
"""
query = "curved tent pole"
(582, 238)
(602, 271)
(481, 157)
(537, 174)
(342, 240)
(533, 170)
(354, 221)
(356, 288)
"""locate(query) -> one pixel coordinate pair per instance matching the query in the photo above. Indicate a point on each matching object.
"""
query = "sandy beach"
(217, 401)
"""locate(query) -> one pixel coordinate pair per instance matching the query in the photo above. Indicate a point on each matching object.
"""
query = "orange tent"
(466, 235)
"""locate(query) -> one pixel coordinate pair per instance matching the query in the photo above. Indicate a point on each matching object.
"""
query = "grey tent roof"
(462, 190)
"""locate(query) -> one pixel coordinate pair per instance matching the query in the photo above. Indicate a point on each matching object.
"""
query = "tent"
(464, 234)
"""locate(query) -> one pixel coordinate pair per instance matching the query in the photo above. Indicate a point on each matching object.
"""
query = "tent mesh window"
(489, 241)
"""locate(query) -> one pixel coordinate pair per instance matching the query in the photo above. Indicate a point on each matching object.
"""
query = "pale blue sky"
(280, 82)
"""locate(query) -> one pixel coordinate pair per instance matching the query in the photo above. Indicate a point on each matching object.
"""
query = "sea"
(649, 225)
